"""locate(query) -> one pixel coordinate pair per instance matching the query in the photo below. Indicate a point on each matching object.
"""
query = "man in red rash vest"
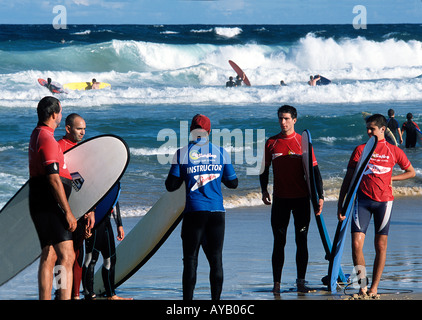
(374, 198)
(75, 131)
(284, 152)
(49, 188)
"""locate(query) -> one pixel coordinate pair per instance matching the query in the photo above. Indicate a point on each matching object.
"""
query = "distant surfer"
(95, 84)
(394, 126)
(48, 85)
(313, 80)
(410, 128)
(239, 80)
(284, 152)
(230, 83)
(50, 185)
(203, 167)
(374, 197)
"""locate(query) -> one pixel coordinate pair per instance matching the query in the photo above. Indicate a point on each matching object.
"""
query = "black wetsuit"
(102, 240)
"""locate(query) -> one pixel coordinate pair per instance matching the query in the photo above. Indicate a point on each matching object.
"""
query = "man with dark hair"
(374, 197)
(410, 128)
(284, 152)
(50, 185)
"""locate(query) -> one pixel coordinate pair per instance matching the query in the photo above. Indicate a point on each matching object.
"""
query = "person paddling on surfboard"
(374, 197)
(284, 152)
(95, 84)
(203, 167)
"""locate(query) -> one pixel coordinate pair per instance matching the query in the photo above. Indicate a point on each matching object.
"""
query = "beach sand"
(247, 261)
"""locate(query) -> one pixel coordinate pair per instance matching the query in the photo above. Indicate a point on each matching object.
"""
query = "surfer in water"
(95, 84)
(410, 128)
(239, 80)
(394, 126)
(291, 195)
(203, 167)
(313, 80)
(230, 83)
(374, 197)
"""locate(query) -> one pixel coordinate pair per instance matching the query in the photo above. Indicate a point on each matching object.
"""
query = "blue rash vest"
(203, 166)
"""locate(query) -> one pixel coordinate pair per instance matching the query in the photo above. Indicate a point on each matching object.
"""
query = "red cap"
(200, 121)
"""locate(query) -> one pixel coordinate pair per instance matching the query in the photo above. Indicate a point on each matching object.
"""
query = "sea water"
(162, 75)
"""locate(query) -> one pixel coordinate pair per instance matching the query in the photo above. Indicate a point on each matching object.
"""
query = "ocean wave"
(228, 32)
(339, 60)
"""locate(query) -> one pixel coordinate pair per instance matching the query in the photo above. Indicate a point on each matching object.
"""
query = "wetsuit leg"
(280, 216)
(91, 258)
(212, 243)
(108, 251)
(193, 226)
(302, 217)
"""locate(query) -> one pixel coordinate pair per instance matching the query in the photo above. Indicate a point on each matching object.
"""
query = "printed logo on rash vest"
(203, 179)
(374, 169)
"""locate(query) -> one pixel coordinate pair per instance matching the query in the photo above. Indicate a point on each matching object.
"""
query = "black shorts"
(49, 219)
(365, 207)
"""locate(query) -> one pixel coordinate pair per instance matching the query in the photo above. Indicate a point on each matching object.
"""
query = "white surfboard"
(146, 237)
(98, 163)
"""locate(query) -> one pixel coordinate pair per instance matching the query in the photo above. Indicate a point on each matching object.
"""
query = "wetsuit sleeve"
(319, 184)
(263, 179)
(174, 179)
(231, 184)
(116, 215)
(173, 183)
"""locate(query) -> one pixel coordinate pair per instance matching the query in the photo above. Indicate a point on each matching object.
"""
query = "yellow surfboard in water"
(84, 85)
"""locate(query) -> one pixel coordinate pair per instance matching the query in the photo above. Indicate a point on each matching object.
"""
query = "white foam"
(228, 32)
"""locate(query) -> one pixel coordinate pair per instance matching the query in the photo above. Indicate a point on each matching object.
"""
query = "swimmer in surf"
(313, 80)
(230, 83)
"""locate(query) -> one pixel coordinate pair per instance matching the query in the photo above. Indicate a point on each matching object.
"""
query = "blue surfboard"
(107, 203)
(340, 236)
(322, 81)
(419, 136)
(311, 182)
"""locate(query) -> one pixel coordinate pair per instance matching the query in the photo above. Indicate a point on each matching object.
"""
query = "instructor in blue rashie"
(203, 167)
